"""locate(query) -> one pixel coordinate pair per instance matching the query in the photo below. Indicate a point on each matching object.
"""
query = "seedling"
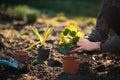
(68, 38)
(42, 39)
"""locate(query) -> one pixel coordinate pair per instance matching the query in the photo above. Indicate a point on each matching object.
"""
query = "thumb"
(75, 50)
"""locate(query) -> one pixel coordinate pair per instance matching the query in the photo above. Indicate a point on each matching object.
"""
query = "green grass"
(21, 12)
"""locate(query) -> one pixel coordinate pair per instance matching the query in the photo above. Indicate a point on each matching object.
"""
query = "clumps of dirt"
(95, 66)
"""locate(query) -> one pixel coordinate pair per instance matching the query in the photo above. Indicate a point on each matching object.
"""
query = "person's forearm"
(102, 26)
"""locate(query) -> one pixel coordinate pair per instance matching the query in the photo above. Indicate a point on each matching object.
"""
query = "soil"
(93, 65)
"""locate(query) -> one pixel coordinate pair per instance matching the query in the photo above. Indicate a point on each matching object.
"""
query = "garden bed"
(93, 65)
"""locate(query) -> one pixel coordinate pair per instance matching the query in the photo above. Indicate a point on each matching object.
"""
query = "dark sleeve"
(101, 31)
(102, 26)
(111, 44)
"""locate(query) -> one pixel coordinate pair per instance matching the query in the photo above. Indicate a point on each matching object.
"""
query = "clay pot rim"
(71, 58)
(45, 47)
(20, 52)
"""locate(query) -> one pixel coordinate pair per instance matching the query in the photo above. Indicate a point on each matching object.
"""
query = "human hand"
(85, 44)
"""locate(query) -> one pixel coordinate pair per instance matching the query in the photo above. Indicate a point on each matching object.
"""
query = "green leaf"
(66, 31)
(48, 31)
(74, 40)
(72, 33)
(37, 34)
(32, 45)
(65, 49)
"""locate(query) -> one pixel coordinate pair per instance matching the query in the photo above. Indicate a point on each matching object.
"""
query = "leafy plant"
(42, 39)
(68, 38)
(23, 13)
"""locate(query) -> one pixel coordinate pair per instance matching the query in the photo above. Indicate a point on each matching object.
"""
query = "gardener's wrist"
(96, 45)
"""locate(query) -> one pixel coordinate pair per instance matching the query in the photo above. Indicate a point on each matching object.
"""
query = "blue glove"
(12, 64)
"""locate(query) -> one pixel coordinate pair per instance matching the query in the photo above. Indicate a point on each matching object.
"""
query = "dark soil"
(93, 65)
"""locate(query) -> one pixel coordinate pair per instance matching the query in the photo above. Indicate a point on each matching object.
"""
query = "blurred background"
(69, 8)
(16, 19)
(82, 13)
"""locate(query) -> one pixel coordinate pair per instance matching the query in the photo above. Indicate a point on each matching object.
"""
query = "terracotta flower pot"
(70, 64)
(20, 55)
(43, 52)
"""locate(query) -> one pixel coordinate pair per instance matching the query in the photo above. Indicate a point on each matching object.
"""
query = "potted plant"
(43, 48)
(68, 40)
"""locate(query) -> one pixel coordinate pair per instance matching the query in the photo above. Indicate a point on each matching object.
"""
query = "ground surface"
(93, 65)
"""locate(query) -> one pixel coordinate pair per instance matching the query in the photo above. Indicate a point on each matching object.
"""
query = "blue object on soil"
(12, 64)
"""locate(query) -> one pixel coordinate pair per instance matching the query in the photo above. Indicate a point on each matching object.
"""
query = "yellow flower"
(71, 28)
(80, 34)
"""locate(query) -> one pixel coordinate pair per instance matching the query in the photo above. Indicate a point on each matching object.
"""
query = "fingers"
(80, 40)
(79, 43)
(76, 50)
